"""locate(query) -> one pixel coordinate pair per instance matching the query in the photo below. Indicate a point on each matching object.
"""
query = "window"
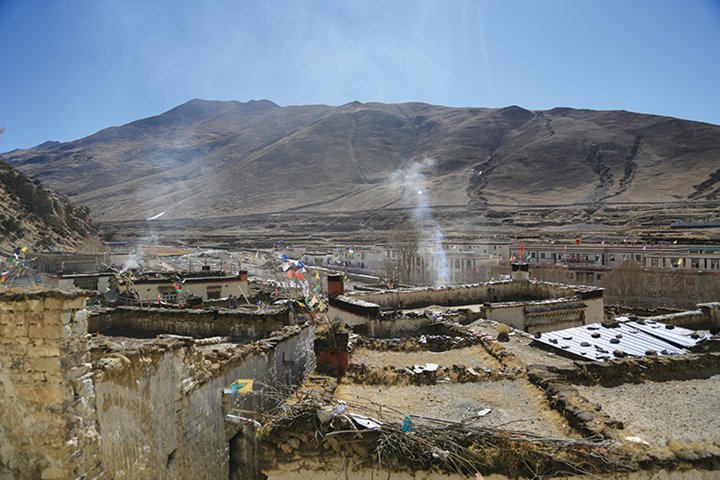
(638, 257)
(542, 255)
(213, 292)
(168, 294)
(87, 284)
(654, 262)
(468, 264)
(612, 257)
(714, 264)
(695, 263)
(457, 264)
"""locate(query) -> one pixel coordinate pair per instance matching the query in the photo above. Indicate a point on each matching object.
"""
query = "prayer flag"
(240, 387)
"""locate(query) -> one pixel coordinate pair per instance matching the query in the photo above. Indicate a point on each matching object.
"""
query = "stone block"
(50, 317)
(77, 303)
(54, 303)
(35, 305)
(14, 306)
(42, 364)
(66, 317)
(44, 331)
(43, 351)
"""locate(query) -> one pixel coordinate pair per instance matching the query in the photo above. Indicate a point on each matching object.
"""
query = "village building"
(131, 392)
(526, 305)
(590, 262)
(175, 287)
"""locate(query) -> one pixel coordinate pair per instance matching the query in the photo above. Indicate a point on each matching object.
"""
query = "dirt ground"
(475, 357)
(514, 404)
(673, 415)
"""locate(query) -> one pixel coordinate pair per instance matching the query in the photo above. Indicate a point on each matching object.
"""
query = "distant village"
(496, 358)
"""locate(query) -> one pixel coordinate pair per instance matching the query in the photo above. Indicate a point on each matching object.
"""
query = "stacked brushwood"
(313, 428)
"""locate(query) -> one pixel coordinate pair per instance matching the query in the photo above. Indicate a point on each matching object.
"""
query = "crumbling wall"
(47, 410)
(503, 291)
(711, 311)
(240, 324)
(160, 408)
(152, 424)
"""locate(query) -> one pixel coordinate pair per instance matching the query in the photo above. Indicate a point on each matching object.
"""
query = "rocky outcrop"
(38, 218)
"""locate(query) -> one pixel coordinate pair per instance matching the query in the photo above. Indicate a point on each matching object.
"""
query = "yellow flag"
(24, 249)
(242, 386)
(679, 261)
(317, 276)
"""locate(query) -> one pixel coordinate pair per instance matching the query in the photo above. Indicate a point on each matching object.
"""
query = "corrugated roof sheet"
(598, 342)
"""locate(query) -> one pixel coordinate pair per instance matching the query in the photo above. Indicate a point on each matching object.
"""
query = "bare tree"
(403, 249)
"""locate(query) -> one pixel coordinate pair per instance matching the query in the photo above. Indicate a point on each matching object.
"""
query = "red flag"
(522, 248)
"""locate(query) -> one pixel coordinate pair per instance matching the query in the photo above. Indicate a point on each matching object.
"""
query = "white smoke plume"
(412, 182)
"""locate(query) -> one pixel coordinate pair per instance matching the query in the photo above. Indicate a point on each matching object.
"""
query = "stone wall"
(47, 415)
(572, 306)
(504, 291)
(123, 408)
(241, 324)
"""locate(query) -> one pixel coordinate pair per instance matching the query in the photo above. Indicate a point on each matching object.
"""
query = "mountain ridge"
(217, 158)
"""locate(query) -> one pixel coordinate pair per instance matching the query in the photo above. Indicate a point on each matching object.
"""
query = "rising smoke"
(413, 184)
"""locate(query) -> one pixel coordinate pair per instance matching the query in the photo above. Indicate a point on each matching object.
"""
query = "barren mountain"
(227, 160)
(38, 218)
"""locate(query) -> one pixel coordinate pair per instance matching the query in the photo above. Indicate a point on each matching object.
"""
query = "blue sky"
(69, 68)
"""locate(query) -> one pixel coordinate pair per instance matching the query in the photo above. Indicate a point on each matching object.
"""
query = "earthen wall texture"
(199, 324)
(468, 294)
(47, 417)
(161, 412)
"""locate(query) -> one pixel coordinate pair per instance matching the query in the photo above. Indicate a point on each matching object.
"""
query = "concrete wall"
(237, 323)
(47, 417)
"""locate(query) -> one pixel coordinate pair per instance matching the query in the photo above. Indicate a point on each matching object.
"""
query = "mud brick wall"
(47, 418)
(150, 425)
(239, 324)
(160, 407)
(467, 294)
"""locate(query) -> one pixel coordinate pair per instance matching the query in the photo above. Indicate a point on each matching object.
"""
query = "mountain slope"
(215, 159)
(37, 218)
